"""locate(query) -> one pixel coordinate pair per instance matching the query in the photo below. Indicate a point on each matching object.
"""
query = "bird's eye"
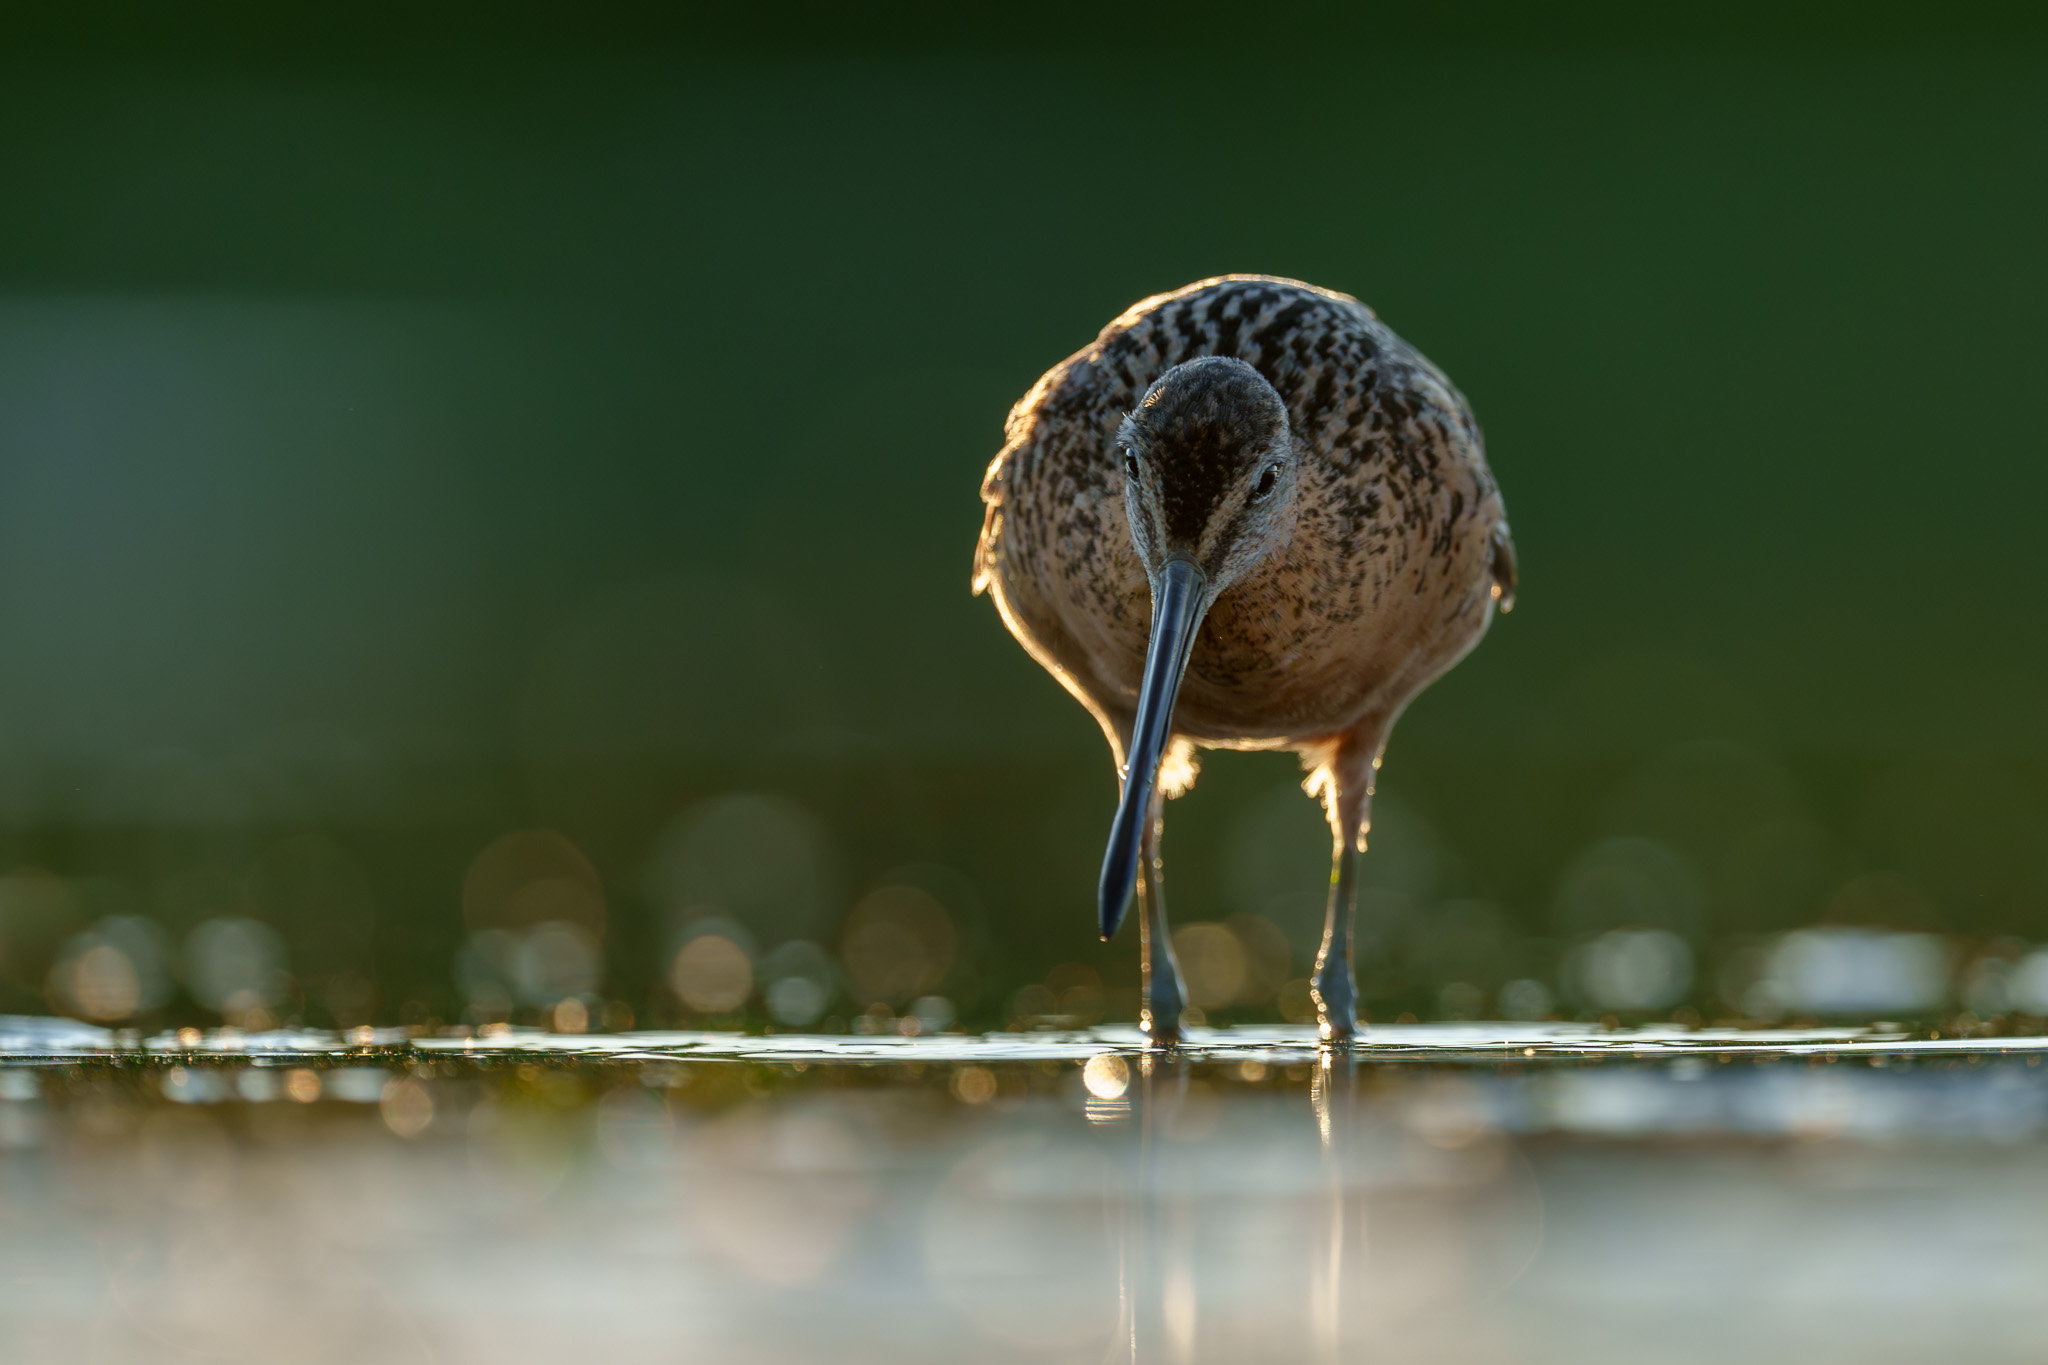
(1268, 476)
(1130, 466)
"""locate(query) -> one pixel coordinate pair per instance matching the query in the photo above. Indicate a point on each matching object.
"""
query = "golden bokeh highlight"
(100, 984)
(407, 1107)
(898, 942)
(712, 974)
(1212, 962)
(1106, 1075)
(974, 1085)
(1076, 991)
(530, 877)
(571, 1016)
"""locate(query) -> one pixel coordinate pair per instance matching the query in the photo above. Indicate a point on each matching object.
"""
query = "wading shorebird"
(1248, 516)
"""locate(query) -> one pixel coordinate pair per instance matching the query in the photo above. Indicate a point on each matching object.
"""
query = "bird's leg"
(1165, 994)
(1346, 784)
(1335, 991)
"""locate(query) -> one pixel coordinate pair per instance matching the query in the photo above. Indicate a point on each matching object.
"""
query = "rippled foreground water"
(1473, 1193)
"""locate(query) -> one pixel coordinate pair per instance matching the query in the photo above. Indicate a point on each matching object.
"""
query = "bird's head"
(1209, 472)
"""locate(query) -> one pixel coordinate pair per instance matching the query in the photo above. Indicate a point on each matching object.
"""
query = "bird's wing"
(991, 521)
(1018, 431)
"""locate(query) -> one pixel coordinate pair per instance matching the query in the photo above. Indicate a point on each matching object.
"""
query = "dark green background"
(412, 430)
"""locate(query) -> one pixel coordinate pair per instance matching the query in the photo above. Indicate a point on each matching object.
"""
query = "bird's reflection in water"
(1244, 1224)
(1104, 1207)
(1332, 1093)
(1164, 1302)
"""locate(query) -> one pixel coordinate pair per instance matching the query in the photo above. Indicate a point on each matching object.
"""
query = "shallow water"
(1448, 1193)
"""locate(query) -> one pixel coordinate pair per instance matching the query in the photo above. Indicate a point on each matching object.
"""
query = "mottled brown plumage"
(1317, 492)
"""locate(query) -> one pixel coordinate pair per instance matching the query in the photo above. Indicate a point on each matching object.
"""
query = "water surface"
(1457, 1193)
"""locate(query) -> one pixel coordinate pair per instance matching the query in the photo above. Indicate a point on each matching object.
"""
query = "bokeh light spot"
(1212, 961)
(529, 877)
(899, 943)
(1634, 969)
(712, 974)
(571, 1016)
(974, 1085)
(407, 1107)
(100, 984)
(236, 967)
(765, 861)
(1106, 1075)
(554, 960)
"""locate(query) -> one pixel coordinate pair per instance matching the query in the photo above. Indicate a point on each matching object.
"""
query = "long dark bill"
(1176, 612)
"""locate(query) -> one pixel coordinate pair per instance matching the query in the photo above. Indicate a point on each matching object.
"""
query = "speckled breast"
(1389, 575)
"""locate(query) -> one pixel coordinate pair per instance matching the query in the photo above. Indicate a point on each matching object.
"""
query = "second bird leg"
(1165, 994)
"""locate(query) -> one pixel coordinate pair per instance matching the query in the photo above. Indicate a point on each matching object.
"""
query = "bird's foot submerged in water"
(1164, 1002)
(1336, 1007)
(1161, 1029)
(1165, 993)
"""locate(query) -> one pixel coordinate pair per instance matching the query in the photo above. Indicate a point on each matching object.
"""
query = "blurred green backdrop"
(413, 436)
